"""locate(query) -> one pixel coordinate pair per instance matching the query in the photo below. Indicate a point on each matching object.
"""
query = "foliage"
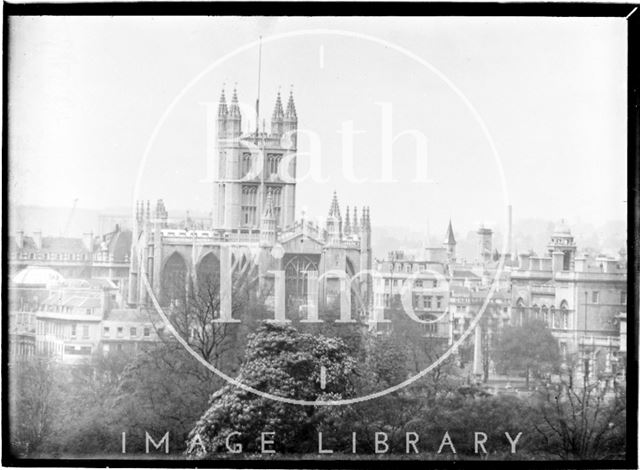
(581, 418)
(530, 347)
(281, 361)
(33, 401)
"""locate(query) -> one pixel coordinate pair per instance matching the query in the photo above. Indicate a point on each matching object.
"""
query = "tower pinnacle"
(222, 106)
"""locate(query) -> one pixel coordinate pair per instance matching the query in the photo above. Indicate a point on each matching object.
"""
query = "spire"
(222, 106)
(334, 210)
(291, 115)
(449, 239)
(278, 112)
(234, 109)
(356, 227)
(347, 223)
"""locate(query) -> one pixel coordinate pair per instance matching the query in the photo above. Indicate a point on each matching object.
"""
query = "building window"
(132, 332)
(120, 332)
(85, 331)
(439, 302)
(147, 332)
(418, 283)
(545, 315)
(429, 302)
(594, 297)
(246, 164)
(623, 297)
(435, 283)
(88, 311)
(249, 205)
(564, 314)
(276, 198)
(106, 332)
(273, 164)
(73, 330)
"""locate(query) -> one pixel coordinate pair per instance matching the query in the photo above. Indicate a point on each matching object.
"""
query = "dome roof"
(38, 275)
(562, 229)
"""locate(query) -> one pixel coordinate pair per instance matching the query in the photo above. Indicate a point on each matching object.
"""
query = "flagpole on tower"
(258, 98)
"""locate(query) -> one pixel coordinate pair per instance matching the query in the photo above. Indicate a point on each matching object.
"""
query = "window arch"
(545, 315)
(174, 280)
(520, 311)
(295, 272)
(536, 311)
(208, 274)
(564, 314)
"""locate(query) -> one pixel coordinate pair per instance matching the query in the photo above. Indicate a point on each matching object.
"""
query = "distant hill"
(529, 234)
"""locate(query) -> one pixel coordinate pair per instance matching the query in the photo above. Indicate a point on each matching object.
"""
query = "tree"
(530, 347)
(163, 389)
(582, 419)
(194, 315)
(34, 398)
(284, 362)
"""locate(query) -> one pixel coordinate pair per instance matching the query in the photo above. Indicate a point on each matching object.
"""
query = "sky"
(523, 111)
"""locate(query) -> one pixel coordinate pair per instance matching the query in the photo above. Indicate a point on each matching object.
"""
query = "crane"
(73, 209)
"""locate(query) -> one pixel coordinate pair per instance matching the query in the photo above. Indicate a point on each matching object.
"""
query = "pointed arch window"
(245, 164)
(296, 276)
(564, 315)
(273, 165)
(249, 205)
(276, 197)
(536, 311)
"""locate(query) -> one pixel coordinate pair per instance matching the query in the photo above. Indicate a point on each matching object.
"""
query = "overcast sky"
(87, 93)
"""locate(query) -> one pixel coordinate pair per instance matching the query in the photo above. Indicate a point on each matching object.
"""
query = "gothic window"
(249, 205)
(296, 276)
(536, 311)
(276, 197)
(208, 275)
(545, 315)
(554, 320)
(245, 164)
(273, 164)
(174, 280)
(564, 315)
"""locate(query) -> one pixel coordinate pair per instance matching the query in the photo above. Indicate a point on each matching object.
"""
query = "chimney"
(87, 240)
(557, 258)
(545, 264)
(20, 239)
(37, 239)
(608, 265)
(524, 262)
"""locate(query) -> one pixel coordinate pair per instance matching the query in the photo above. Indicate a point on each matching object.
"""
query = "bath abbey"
(253, 220)
(75, 297)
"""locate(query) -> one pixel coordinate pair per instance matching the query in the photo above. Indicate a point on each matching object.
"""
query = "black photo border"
(630, 12)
